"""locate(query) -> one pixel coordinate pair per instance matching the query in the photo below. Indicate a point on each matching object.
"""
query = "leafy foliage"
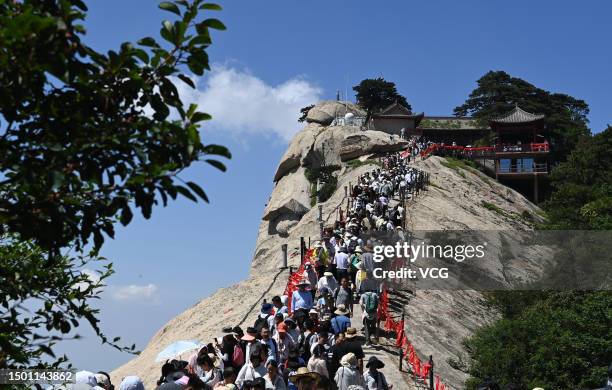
(498, 92)
(563, 341)
(583, 187)
(375, 94)
(78, 147)
(304, 112)
(327, 180)
(560, 340)
(41, 303)
(86, 139)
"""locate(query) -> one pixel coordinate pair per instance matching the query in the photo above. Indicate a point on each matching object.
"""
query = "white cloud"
(92, 276)
(134, 292)
(242, 103)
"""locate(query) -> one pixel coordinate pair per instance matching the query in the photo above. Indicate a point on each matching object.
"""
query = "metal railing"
(518, 168)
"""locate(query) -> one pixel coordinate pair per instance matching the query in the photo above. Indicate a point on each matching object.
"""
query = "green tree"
(304, 112)
(582, 197)
(563, 341)
(559, 339)
(375, 94)
(86, 139)
(498, 92)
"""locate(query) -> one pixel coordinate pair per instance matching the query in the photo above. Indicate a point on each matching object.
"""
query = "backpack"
(238, 356)
(261, 322)
(371, 304)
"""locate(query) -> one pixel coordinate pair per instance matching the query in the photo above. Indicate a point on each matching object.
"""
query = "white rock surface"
(437, 321)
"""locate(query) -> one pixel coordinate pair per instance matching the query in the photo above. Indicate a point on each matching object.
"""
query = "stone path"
(386, 351)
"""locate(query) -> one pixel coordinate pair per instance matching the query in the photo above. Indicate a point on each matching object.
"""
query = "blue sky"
(278, 56)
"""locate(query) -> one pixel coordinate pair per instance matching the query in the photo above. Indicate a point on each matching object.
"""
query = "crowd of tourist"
(310, 339)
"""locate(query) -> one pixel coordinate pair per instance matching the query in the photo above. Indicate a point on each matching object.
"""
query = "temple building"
(393, 119)
(521, 150)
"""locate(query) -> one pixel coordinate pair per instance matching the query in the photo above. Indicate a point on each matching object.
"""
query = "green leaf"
(194, 66)
(141, 54)
(148, 41)
(167, 32)
(185, 192)
(217, 150)
(171, 7)
(200, 116)
(217, 164)
(202, 39)
(198, 190)
(211, 6)
(214, 23)
(126, 216)
(187, 80)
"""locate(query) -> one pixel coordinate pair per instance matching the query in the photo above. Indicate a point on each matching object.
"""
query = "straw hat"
(341, 310)
(349, 360)
(302, 373)
(350, 333)
(303, 282)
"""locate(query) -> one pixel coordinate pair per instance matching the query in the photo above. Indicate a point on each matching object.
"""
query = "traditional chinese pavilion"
(521, 149)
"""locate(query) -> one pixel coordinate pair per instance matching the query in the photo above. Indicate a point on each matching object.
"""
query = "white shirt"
(341, 260)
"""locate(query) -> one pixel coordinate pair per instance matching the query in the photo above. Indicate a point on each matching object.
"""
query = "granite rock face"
(369, 141)
(436, 321)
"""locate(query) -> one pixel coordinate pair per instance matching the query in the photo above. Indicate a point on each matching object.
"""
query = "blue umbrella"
(178, 348)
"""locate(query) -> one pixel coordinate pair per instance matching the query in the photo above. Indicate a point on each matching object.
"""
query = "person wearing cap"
(369, 309)
(341, 321)
(354, 261)
(327, 281)
(301, 298)
(303, 379)
(292, 329)
(348, 374)
(284, 342)
(341, 260)
(313, 316)
(353, 345)
(311, 275)
(249, 339)
(266, 316)
(344, 295)
(325, 304)
(375, 380)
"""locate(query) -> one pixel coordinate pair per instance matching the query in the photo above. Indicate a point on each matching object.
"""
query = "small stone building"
(393, 118)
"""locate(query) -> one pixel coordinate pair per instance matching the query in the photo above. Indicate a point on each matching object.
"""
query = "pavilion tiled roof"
(517, 115)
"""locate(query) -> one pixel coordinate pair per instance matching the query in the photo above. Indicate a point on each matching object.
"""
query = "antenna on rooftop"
(346, 88)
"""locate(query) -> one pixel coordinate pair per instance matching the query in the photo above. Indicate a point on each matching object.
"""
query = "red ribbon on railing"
(419, 369)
